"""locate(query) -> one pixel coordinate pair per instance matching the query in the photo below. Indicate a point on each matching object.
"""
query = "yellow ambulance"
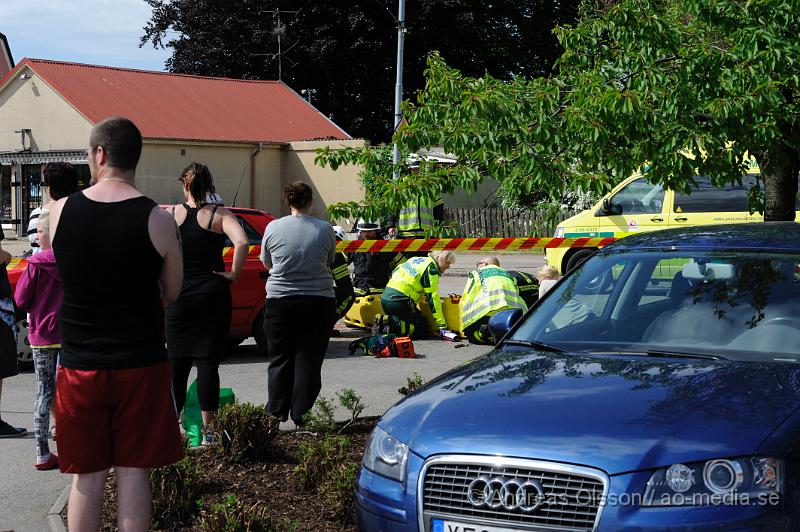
(636, 205)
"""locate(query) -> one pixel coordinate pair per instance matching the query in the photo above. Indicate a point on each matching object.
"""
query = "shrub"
(175, 488)
(413, 383)
(324, 467)
(245, 431)
(316, 459)
(321, 417)
(338, 492)
(232, 515)
(351, 402)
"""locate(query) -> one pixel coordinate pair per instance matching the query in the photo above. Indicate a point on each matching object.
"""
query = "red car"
(248, 292)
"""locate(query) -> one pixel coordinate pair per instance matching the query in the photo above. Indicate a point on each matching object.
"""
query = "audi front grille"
(512, 493)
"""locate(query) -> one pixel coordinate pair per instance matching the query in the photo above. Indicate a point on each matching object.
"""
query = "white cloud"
(103, 32)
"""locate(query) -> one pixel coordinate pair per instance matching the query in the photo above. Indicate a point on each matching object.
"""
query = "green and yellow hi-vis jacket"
(488, 291)
(416, 277)
(417, 217)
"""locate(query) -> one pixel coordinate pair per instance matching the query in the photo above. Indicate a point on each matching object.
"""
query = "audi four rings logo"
(510, 494)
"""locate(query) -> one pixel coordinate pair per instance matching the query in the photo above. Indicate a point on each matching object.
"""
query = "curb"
(54, 521)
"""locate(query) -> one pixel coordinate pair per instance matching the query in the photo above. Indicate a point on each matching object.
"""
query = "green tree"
(684, 87)
(346, 51)
(644, 80)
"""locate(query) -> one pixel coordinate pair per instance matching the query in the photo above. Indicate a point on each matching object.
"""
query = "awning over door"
(41, 157)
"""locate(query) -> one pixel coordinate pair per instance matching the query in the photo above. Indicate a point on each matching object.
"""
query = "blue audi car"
(655, 387)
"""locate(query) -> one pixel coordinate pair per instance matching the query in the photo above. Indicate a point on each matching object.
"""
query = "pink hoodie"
(39, 292)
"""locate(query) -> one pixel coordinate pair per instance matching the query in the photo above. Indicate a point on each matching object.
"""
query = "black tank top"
(202, 255)
(111, 316)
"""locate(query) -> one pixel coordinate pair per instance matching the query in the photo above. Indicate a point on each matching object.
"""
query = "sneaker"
(7, 431)
(50, 462)
(209, 439)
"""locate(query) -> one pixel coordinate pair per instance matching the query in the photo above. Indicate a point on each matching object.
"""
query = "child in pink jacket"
(39, 292)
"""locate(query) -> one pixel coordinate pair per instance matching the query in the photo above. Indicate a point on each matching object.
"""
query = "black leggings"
(207, 382)
(297, 329)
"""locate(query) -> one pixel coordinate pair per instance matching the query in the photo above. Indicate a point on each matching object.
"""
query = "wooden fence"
(475, 222)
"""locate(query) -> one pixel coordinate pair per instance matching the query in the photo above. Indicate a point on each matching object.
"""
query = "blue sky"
(100, 32)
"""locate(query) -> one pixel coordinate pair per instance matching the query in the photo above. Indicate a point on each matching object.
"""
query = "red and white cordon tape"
(468, 244)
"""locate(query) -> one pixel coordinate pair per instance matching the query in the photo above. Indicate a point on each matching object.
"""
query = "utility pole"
(398, 88)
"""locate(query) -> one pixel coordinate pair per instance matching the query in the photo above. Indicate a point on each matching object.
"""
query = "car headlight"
(559, 232)
(386, 455)
(746, 480)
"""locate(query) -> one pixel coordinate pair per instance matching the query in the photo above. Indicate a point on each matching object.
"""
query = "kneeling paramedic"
(489, 290)
(411, 280)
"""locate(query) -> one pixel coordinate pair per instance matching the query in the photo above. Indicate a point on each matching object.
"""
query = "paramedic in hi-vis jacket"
(416, 277)
(489, 290)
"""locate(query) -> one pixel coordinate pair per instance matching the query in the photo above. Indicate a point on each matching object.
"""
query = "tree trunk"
(779, 168)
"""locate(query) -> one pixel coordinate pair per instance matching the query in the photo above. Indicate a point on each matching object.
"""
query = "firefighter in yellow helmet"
(413, 279)
(489, 290)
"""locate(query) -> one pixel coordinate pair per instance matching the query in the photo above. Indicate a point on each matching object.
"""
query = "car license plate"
(440, 525)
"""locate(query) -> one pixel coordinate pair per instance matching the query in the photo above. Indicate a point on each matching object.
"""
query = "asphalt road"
(26, 495)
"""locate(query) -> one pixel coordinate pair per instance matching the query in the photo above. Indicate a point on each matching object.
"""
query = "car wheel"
(578, 257)
(259, 335)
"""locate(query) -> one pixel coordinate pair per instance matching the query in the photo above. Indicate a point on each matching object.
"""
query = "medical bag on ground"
(400, 347)
(193, 416)
(404, 347)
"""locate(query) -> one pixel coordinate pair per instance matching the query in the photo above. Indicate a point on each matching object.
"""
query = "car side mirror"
(503, 321)
(609, 208)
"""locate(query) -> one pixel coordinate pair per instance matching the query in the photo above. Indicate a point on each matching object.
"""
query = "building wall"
(56, 125)
(485, 195)
(329, 186)
(32, 104)
(230, 164)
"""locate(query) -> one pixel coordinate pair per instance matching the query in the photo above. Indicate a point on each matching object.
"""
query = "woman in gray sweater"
(297, 250)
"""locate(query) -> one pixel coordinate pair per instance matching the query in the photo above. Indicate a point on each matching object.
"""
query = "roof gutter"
(253, 174)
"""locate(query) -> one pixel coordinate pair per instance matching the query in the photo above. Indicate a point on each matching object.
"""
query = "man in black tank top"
(119, 258)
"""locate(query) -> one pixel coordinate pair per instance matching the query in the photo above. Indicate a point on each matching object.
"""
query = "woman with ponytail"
(198, 323)
(297, 250)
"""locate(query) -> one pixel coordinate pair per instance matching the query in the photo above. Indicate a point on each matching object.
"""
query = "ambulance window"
(708, 198)
(640, 197)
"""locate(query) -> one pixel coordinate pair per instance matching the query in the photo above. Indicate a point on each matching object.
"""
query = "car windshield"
(735, 305)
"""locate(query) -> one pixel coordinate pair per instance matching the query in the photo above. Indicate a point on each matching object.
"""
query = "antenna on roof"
(279, 30)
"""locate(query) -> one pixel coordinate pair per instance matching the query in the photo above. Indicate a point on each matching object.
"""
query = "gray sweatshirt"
(299, 250)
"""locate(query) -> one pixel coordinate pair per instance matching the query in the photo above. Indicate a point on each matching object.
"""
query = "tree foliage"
(674, 87)
(346, 51)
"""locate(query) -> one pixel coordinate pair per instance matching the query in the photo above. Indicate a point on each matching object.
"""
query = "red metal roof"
(176, 106)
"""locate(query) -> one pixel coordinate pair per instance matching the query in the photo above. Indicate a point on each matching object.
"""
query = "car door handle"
(681, 218)
(656, 219)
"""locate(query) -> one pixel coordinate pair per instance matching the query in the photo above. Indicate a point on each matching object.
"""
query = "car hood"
(615, 413)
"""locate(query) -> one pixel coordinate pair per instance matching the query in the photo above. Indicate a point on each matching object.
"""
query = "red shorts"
(121, 417)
